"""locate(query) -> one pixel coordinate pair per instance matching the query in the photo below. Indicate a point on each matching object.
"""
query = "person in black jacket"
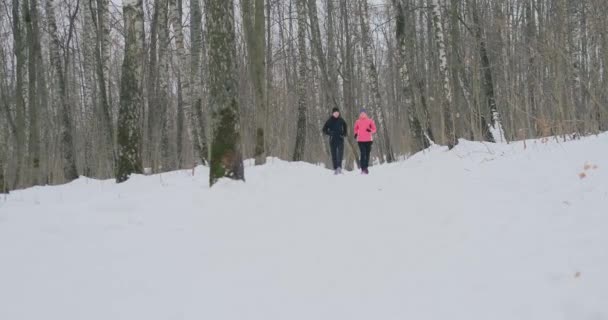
(336, 129)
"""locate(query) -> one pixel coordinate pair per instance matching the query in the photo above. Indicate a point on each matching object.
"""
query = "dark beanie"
(335, 110)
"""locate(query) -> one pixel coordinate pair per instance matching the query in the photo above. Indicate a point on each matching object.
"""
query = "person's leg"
(364, 155)
(334, 151)
(361, 153)
(340, 153)
(369, 152)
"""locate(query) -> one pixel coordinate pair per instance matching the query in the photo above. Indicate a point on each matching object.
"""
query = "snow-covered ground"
(484, 232)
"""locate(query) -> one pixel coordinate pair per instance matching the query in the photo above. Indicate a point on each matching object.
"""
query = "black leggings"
(336, 144)
(366, 149)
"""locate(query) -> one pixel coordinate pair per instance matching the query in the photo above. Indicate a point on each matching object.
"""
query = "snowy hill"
(482, 232)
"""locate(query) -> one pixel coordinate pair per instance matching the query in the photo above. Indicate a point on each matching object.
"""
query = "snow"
(485, 231)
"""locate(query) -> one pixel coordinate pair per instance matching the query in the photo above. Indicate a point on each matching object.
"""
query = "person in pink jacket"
(364, 130)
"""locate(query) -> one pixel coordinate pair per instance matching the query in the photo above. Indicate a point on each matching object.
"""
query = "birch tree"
(448, 116)
(373, 81)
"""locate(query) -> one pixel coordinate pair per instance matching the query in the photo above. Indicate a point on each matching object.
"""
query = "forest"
(107, 88)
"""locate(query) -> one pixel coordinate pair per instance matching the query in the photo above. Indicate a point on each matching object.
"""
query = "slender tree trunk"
(20, 50)
(163, 94)
(67, 142)
(373, 81)
(347, 80)
(269, 77)
(226, 157)
(256, 46)
(418, 138)
(33, 86)
(197, 129)
(131, 102)
(532, 110)
(300, 146)
(184, 88)
(495, 130)
(448, 115)
(329, 88)
(3, 142)
(100, 17)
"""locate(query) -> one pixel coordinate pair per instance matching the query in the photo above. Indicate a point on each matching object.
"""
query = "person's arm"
(326, 128)
(345, 128)
(373, 127)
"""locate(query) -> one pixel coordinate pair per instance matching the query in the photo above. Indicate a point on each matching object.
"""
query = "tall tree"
(197, 127)
(329, 87)
(300, 147)
(226, 158)
(68, 152)
(373, 81)
(184, 88)
(35, 84)
(129, 137)
(20, 50)
(256, 46)
(419, 140)
(100, 13)
(448, 115)
(494, 131)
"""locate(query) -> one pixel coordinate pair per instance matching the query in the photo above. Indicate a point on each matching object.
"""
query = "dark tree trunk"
(131, 102)
(300, 147)
(68, 152)
(488, 84)
(226, 158)
(418, 138)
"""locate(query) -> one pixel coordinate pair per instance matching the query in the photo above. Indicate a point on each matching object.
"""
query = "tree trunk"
(373, 81)
(269, 78)
(347, 81)
(300, 146)
(19, 48)
(163, 93)
(129, 140)
(184, 81)
(495, 131)
(100, 17)
(67, 142)
(197, 129)
(419, 140)
(254, 34)
(3, 157)
(448, 116)
(329, 88)
(531, 74)
(226, 158)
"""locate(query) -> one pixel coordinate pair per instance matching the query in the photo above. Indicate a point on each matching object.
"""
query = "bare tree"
(197, 126)
(448, 116)
(374, 82)
(129, 137)
(300, 145)
(254, 24)
(70, 171)
(419, 140)
(226, 159)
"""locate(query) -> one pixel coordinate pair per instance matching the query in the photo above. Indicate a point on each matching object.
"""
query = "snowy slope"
(484, 232)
